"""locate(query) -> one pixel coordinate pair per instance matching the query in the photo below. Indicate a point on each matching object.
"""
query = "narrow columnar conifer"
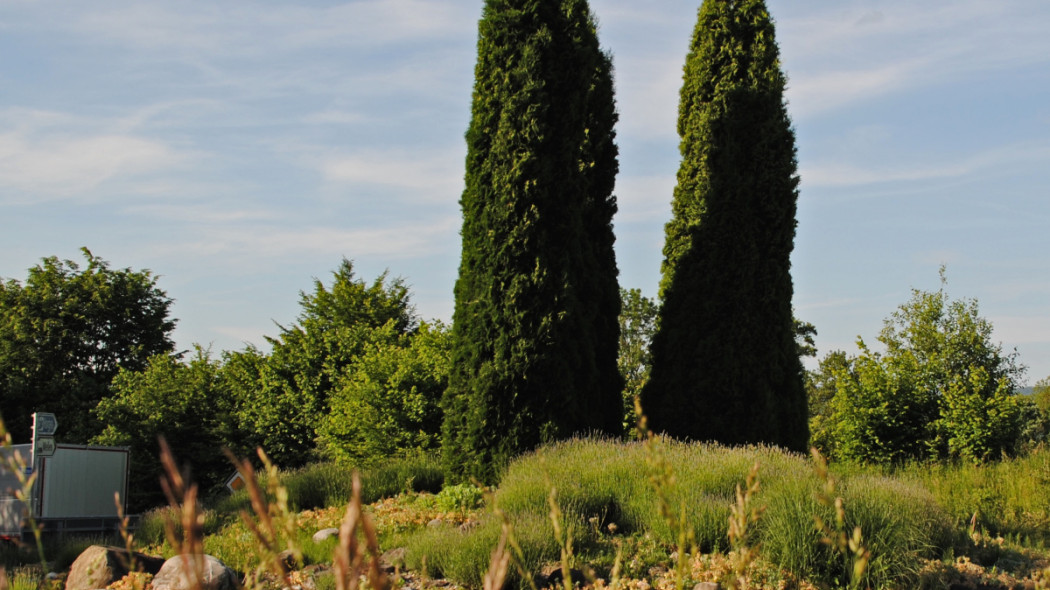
(535, 327)
(725, 364)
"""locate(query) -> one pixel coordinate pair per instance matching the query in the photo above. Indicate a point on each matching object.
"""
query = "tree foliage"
(186, 402)
(1041, 394)
(725, 362)
(637, 325)
(942, 388)
(283, 398)
(67, 331)
(535, 328)
(388, 404)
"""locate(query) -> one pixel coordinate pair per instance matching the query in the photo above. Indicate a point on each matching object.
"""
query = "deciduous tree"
(942, 388)
(66, 332)
(186, 402)
(289, 399)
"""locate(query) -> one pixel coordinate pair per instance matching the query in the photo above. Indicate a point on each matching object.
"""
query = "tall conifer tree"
(725, 365)
(535, 329)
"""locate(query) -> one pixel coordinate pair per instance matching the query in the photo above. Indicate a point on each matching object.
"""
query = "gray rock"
(325, 534)
(214, 575)
(99, 566)
(395, 556)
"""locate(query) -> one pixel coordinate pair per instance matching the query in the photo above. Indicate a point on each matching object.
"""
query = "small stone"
(707, 586)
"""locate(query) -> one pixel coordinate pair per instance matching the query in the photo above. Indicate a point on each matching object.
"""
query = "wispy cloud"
(1018, 329)
(35, 169)
(858, 53)
(644, 198)
(994, 160)
(248, 245)
(47, 155)
(438, 173)
(238, 28)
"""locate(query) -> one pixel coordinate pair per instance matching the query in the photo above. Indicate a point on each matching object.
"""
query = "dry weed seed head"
(183, 501)
(348, 562)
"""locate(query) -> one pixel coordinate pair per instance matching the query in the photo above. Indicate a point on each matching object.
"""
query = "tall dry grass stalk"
(15, 463)
(743, 514)
(851, 547)
(349, 560)
(136, 578)
(499, 565)
(271, 522)
(663, 482)
(182, 497)
(564, 540)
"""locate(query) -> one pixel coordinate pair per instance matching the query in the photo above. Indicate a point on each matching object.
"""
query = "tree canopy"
(942, 388)
(66, 331)
(283, 398)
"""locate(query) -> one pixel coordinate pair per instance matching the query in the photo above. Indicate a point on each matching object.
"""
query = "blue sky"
(240, 149)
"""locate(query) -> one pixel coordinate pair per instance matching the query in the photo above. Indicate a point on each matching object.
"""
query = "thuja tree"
(535, 328)
(725, 364)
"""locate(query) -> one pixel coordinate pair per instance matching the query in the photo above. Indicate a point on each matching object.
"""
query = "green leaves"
(66, 332)
(941, 390)
(283, 400)
(186, 402)
(387, 403)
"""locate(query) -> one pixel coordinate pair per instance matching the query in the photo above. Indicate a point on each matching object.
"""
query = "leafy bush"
(602, 482)
(388, 402)
(459, 497)
(330, 484)
(942, 390)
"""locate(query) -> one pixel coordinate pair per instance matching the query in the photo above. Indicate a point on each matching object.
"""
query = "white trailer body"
(12, 510)
(75, 490)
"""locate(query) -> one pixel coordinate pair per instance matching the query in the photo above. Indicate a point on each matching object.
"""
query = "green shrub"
(1008, 497)
(611, 482)
(900, 522)
(459, 497)
(330, 484)
(464, 555)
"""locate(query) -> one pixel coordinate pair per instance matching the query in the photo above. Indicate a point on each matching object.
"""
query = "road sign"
(45, 446)
(44, 424)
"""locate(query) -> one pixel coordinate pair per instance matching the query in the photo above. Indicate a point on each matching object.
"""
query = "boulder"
(325, 534)
(173, 575)
(99, 566)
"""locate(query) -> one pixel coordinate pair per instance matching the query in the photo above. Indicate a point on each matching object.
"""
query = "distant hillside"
(1025, 390)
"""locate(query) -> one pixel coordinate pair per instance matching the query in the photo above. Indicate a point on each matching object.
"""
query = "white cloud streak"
(60, 167)
(994, 161)
(437, 173)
